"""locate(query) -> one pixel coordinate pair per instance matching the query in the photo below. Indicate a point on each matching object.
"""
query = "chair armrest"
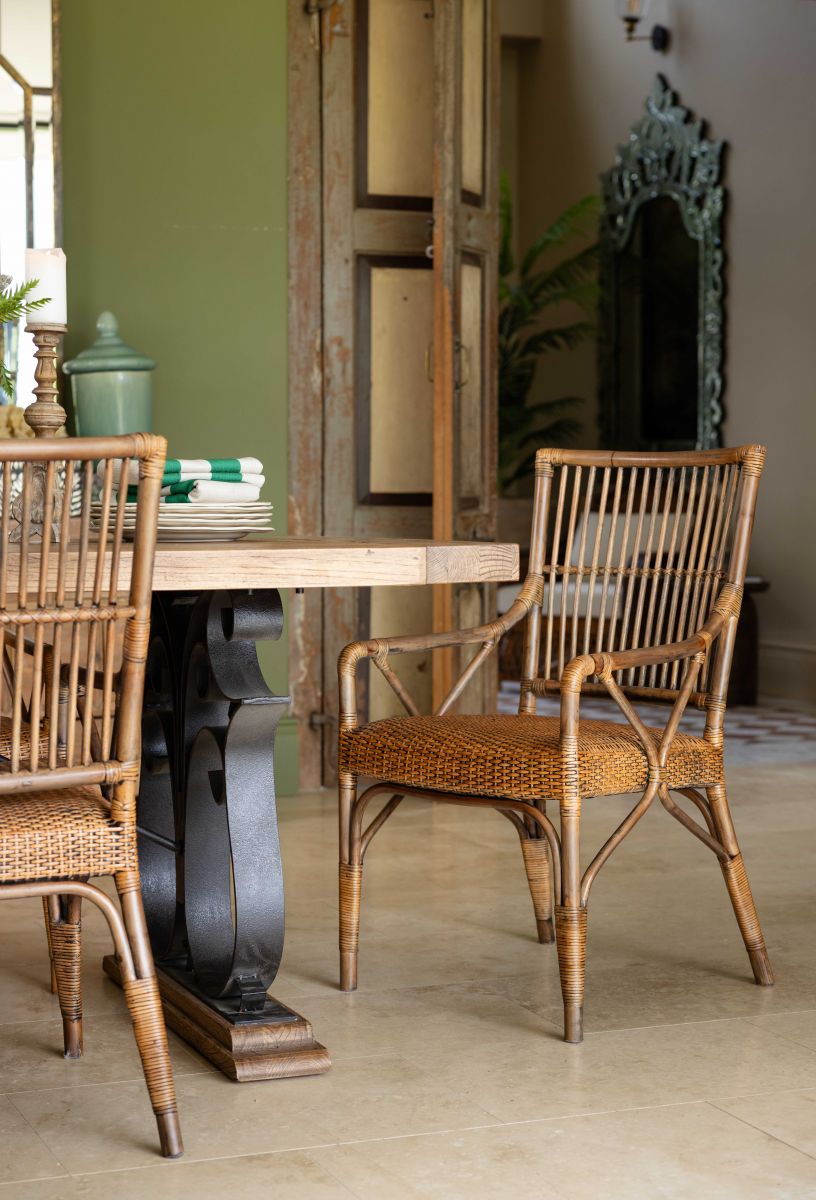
(487, 635)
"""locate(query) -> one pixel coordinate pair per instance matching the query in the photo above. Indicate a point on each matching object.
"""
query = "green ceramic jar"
(111, 385)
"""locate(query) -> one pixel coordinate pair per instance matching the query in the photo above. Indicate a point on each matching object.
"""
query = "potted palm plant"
(552, 274)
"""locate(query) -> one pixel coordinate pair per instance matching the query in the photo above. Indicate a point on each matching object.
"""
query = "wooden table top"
(288, 562)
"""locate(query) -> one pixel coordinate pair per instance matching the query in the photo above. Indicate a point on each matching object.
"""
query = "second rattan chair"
(73, 644)
(637, 565)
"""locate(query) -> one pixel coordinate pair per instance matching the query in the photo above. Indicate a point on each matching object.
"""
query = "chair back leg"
(536, 853)
(47, 918)
(65, 940)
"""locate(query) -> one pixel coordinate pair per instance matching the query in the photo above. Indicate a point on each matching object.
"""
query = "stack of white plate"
(198, 522)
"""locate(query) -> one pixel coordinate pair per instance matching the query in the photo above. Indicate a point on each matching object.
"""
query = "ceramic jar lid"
(108, 352)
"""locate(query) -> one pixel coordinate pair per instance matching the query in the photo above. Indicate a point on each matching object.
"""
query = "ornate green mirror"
(661, 305)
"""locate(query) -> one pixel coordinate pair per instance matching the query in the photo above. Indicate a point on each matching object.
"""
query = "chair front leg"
(571, 928)
(739, 889)
(144, 1003)
(351, 879)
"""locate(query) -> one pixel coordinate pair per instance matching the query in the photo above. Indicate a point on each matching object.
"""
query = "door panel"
(394, 393)
(395, 39)
(470, 414)
(473, 83)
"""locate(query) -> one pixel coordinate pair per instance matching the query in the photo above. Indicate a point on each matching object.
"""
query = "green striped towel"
(224, 470)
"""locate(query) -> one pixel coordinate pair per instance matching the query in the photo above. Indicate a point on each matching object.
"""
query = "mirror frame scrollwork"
(666, 155)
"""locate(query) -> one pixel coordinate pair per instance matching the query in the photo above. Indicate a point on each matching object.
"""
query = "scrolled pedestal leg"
(208, 835)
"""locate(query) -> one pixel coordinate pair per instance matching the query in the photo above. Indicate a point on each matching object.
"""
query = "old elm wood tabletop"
(208, 833)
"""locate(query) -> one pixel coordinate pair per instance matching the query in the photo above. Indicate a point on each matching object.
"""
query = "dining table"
(209, 847)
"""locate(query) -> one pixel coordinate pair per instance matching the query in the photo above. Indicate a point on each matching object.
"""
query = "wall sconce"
(633, 11)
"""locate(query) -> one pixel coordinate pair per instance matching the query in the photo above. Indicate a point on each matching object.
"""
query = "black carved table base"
(208, 834)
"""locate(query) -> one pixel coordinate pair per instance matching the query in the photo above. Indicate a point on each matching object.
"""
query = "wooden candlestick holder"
(46, 417)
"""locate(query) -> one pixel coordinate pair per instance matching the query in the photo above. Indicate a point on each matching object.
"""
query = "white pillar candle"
(48, 266)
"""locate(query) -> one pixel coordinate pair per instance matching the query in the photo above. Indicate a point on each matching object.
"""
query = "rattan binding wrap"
(536, 855)
(637, 567)
(736, 881)
(570, 932)
(66, 946)
(144, 1003)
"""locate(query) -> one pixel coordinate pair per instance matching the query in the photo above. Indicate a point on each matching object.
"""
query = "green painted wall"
(175, 218)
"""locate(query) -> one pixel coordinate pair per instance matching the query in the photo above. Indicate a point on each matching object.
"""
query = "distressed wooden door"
(397, 203)
(466, 238)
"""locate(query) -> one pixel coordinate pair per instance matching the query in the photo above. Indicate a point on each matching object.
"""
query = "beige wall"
(748, 67)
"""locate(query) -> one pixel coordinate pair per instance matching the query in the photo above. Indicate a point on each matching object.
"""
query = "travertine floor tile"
(788, 1116)
(681, 1152)
(545, 1077)
(798, 1026)
(379, 1096)
(31, 1054)
(289, 1176)
(25, 993)
(414, 1022)
(23, 1155)
(650, 990)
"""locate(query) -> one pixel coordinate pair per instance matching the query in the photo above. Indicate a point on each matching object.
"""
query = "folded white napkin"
(210, 491)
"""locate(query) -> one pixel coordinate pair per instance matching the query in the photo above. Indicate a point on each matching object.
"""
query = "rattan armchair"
(637, 565)
(73, 644)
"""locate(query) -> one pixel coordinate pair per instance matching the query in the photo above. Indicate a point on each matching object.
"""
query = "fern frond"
(563, 337)
(6, 381)
(13, 302)
(580, 220)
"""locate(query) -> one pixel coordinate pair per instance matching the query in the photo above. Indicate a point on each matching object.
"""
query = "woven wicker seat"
(73, 649)
(58, 834)
(518, 757)
(637, 564)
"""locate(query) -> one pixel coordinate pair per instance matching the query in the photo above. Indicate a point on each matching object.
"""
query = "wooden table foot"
(279, 1044)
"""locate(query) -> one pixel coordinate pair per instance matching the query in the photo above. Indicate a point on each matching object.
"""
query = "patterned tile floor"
(768, 733)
